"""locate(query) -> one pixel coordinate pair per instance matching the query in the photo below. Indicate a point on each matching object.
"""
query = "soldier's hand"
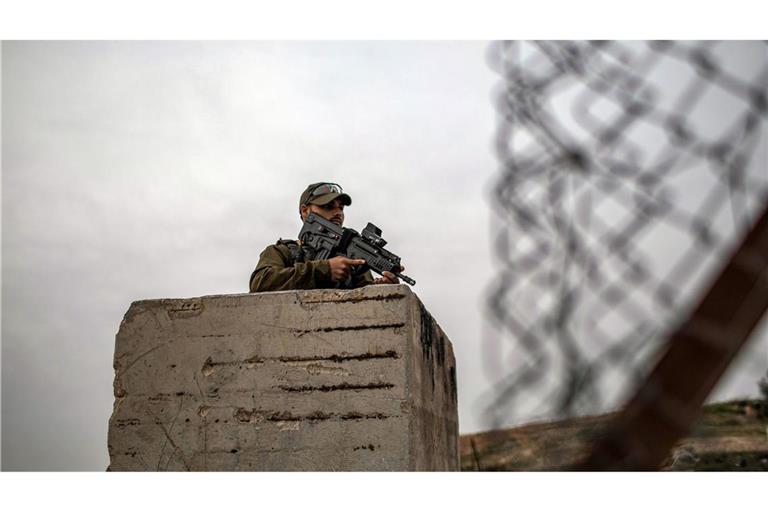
(388, 278)
(342, 267)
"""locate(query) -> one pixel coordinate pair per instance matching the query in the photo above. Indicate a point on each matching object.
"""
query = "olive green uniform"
(282, 267)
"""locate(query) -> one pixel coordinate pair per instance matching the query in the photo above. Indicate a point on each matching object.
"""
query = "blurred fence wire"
(628, 172)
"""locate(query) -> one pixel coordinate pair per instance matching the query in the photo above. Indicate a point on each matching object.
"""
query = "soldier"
(283, 266)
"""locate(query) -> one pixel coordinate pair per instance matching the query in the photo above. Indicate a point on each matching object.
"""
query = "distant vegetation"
(728, 436)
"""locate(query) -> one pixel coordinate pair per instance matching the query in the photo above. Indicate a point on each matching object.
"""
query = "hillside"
(729, 436)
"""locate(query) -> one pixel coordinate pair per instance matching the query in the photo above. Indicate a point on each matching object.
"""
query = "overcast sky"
(156, 169)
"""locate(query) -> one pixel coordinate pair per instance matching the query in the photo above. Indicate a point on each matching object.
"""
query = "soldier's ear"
(303, 211)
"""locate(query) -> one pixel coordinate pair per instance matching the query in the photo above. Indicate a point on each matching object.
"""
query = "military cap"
(323, 193)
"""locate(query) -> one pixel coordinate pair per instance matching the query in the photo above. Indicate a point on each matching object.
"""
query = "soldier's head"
(326, 200)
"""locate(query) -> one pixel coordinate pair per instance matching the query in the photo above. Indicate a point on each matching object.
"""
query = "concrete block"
(319, 380)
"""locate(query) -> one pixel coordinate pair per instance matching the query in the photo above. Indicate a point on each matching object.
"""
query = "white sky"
(148, 170)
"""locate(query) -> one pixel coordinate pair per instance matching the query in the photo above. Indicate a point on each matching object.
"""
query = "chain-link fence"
(628, 172)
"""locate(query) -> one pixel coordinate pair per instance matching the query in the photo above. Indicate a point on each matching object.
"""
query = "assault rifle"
(324, 240)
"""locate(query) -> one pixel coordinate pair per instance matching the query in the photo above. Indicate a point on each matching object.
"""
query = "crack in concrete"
(337, 387)
(352, 300)
(160, 456)
(159, 423)
(301, 332)
(258, 415)
(210, 365)
(139, 358)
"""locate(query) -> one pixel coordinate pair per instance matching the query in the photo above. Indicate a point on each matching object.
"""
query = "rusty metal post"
(695, 358)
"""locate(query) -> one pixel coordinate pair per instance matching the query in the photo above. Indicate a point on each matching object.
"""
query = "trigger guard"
(360, 269)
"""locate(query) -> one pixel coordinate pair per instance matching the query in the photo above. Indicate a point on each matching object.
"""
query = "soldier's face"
(333, 211)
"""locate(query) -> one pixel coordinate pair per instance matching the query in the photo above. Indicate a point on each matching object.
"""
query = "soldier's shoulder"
(282, 245)
(290, 250)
